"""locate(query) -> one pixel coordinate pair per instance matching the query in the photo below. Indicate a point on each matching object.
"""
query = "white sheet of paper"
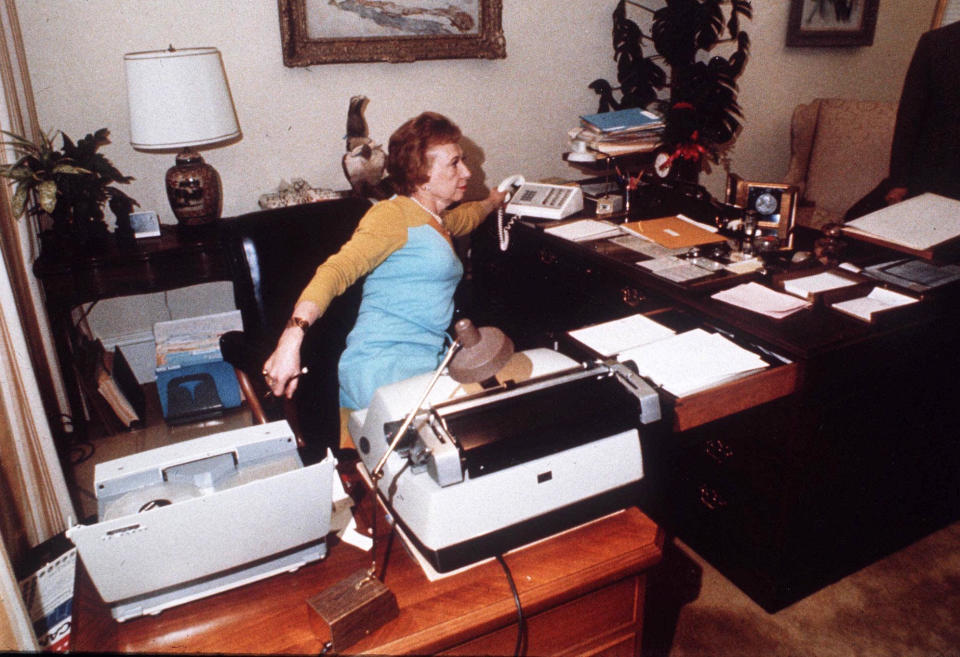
(692, 361)
(920, 223)
(807, 285)
(763, 300)
(610, 338)
(584, 229)
(878, 299)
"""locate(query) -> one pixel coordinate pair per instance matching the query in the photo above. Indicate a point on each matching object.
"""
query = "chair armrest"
(803, 125)
(247, 358)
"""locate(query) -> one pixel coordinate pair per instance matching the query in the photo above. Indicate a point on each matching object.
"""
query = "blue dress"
(406, 308)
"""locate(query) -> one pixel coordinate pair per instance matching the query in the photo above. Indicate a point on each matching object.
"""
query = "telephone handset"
(538, 200)
(515, 182)
(510, 185)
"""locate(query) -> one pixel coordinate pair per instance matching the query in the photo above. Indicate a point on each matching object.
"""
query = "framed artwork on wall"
(336, 31)
(832, 22)
(946, 12)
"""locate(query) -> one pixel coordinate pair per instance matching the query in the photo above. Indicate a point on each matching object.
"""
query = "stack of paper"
(763, 300)
(610, 338)
(584, 229)
(620, 132)
(692, 361)
(878, 300)
(918, 224)
(807, 286)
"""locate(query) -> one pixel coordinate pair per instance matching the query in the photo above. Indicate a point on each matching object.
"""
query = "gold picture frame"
(327, 32)
(779, 220)
(946, 12)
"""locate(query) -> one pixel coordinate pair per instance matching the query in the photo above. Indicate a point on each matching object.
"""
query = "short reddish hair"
(407, 162)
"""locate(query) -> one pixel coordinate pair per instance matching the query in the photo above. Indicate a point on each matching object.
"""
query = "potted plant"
(701, 113)
(70, 185)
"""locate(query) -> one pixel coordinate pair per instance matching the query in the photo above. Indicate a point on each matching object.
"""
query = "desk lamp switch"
(351, 609)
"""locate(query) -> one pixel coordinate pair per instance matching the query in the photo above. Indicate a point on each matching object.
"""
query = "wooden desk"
(840, 452)
(582, 593)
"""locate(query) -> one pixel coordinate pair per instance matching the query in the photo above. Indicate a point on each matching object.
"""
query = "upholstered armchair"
(839, 151)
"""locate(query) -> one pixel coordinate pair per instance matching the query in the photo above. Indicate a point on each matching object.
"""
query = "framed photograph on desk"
(775, 203)
(145, 224)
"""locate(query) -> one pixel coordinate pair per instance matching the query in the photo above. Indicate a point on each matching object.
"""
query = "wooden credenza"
(582, 593)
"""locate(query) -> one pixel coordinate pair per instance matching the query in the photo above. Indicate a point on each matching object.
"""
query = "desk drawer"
(736, 396)
(607, 621)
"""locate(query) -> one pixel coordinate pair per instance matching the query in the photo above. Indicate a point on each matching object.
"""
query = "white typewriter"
(479, 474)
(202, 516)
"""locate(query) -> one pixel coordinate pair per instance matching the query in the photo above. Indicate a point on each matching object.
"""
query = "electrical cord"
(521, 620)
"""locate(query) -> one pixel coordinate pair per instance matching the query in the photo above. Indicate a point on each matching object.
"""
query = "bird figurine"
(365, 161)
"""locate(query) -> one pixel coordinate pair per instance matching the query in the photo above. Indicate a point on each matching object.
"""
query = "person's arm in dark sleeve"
(910, 113)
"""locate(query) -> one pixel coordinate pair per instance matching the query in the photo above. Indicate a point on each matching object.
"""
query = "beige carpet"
(906, 605)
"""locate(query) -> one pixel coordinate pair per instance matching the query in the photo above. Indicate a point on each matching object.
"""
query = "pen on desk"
(303, 370)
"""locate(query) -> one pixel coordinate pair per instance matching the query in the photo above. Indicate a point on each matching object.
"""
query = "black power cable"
(519, 648)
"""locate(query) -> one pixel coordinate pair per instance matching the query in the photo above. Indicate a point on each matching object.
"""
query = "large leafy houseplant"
(70, 185)
(700, 110)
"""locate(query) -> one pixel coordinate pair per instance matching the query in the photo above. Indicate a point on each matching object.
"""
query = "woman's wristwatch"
(299, 322)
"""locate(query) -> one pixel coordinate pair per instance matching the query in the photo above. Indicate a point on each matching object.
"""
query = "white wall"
(516, 110)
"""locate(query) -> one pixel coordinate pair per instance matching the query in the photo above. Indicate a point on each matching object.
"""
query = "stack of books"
(620, 132)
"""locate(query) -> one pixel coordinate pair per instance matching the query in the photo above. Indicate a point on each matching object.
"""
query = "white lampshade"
(178, 98)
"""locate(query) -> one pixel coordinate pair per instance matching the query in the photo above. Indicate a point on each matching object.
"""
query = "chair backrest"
(272, 255)
(840, 150)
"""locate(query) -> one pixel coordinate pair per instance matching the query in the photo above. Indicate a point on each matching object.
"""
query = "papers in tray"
(692, 361)
(807, 286)
(878, 300)
(763, 300)
(584, 229)
(610, 338)
(917, 224)
(914, 275)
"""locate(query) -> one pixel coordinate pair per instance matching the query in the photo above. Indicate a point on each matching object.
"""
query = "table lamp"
(180, 99)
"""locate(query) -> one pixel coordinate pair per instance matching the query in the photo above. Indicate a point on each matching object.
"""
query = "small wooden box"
(350, 610)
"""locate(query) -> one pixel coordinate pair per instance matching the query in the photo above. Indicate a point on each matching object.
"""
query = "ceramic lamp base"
(193, 189)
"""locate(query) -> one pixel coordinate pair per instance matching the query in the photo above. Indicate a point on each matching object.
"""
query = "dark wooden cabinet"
(788, 479)
(173, 260)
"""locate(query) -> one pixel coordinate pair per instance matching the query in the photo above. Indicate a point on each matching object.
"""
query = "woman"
(404, 247)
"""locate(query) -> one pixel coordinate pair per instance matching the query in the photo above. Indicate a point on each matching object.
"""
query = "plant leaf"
(70, 168)
(47, 195)
(19, 200)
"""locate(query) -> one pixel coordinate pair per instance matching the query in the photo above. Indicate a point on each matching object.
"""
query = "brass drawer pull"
(547, 257)
(711, 498)
(718, 450)
(631, 296)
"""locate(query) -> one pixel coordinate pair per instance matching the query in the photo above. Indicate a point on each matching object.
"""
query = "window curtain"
(16, 633)
(36, 502)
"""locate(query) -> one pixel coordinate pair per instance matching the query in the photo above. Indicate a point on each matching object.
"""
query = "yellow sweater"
(381, 231)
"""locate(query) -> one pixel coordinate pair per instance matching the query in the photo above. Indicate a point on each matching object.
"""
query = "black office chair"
(272, 255)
